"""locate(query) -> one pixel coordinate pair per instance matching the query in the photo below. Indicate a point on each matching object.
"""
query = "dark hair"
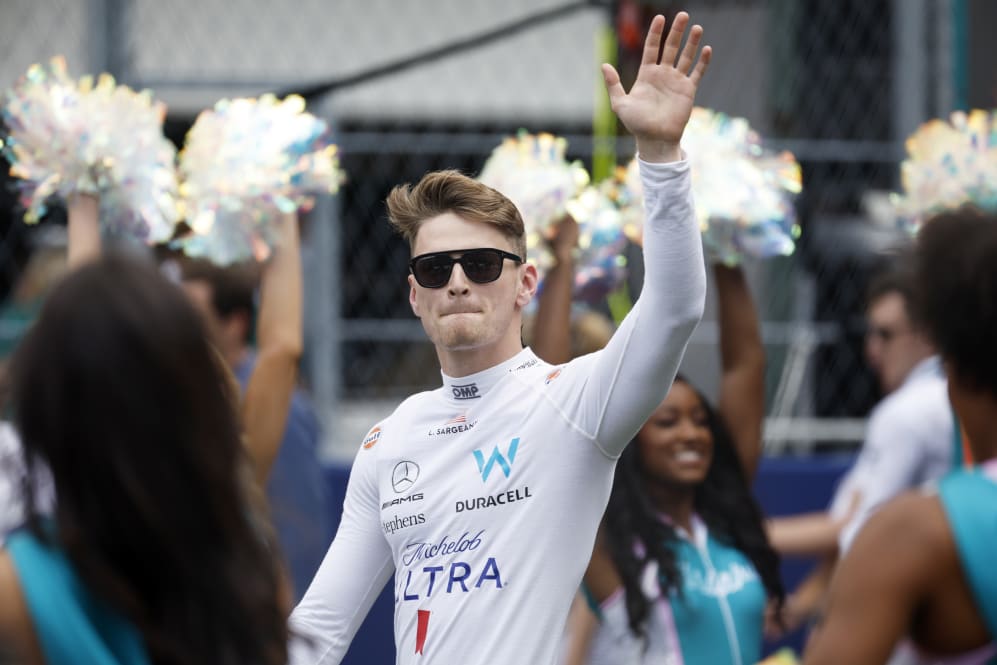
(723, 501)
(233, 288)
(117, 390)
(957, 289)
(896, 275)
(451, 191)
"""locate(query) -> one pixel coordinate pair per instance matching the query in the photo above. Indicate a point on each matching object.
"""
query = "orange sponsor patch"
(371, 438)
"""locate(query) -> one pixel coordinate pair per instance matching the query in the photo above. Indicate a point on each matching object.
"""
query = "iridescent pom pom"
(245, 163)
(533, 173)
(67, 137)
(949, 165)
(600, 265)
(743, 193)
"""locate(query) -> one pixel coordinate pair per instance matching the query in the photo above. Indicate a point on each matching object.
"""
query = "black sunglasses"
(481, 266)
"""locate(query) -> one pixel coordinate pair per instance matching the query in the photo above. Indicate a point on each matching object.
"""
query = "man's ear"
(413, 301)
(528, 280)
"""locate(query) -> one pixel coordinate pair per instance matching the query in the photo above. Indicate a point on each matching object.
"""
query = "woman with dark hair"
(682, 569)
(922, 567)
(156, 551)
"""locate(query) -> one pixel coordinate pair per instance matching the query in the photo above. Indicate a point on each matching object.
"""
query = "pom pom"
(245, 163)
(949, 164)
(67, 137)
(532, 172)
(742, 192)
(600, 264)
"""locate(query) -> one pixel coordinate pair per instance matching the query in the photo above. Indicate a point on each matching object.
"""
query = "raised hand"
(658, 105)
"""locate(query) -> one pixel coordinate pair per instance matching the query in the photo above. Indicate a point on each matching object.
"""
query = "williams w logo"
(503, 462)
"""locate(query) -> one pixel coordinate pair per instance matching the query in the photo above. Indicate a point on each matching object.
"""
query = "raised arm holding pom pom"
(280, 340)
(83, 242)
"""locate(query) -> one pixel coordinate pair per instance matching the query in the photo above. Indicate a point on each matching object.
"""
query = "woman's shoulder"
(16, 629)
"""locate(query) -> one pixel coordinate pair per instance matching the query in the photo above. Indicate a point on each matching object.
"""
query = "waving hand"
(658, 105)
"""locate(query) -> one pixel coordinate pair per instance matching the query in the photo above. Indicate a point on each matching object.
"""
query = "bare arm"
(742, 384)
(552, 325)
(83, 229)
(805, 602)
(810, 534)
(18, 642)
(582, 625)
(601, 577)
(880, 584)
(280, 338)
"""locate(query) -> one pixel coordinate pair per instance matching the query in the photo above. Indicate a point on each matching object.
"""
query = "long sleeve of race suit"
(628, 379)
(355, 569)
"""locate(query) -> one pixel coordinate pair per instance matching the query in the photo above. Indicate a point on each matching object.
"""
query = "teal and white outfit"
(72, 626)
(969, 499)
(717, 618)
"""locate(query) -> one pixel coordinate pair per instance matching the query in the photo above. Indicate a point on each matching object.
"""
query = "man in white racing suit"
(482, 497)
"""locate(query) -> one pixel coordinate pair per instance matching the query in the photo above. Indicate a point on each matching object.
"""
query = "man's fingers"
(652, 44)
(700, 68)
(673, 41)
(613, 85)
(688, 54)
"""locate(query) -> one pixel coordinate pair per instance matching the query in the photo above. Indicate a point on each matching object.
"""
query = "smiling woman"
(682, 568)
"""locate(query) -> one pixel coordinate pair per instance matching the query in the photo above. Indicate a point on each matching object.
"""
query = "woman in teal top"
(153, 553)
(923, 567)
(70, 624)
(682, 571)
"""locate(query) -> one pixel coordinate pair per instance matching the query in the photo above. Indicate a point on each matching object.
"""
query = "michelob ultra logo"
(503, 461)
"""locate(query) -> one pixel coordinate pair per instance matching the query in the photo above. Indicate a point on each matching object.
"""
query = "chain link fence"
(413, 87)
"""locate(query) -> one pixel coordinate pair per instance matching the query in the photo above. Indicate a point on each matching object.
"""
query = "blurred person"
(154, 553)
(682, 570)
(922, 567)
(296, 488)
(261, 416)
(45, 267)
(557, 332)
(908, 440)
(483, 496)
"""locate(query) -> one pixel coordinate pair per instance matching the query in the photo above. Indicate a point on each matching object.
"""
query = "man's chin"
(461, 339)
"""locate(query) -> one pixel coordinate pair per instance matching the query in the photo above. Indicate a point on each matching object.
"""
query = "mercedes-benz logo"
(404, 476)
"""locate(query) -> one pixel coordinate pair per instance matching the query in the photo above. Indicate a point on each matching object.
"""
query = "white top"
(483, 496)
(12, 471)
(908, 443)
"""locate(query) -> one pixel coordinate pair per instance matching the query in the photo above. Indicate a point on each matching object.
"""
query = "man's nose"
(458, 284)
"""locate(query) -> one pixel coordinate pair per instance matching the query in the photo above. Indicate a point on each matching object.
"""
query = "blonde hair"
(451, 191)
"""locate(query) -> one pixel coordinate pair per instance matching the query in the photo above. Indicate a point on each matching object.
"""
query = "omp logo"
(404, 476)
(371, 438)
(466, 391)
(503, 461)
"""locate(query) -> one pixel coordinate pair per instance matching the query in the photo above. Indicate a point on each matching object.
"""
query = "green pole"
(603, 118)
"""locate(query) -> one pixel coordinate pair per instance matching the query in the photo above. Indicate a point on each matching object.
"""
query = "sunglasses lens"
(482, 266)
(433, 272)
